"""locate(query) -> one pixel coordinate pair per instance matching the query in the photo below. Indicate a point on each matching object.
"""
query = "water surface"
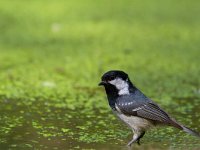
(42, 125)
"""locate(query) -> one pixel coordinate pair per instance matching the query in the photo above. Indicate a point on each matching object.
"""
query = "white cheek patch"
(121, 85)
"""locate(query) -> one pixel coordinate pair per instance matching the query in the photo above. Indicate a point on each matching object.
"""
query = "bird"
(134, 108)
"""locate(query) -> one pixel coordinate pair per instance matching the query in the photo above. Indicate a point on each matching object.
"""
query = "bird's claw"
(138, 142)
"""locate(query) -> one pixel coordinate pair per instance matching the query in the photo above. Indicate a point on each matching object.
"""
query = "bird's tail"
(190, 131)
(184, 128)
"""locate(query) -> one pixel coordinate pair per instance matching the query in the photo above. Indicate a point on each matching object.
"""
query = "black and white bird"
(138, 111)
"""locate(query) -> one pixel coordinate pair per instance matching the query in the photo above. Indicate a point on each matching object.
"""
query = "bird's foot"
(131, 142)
(136, 138)
(138, 141)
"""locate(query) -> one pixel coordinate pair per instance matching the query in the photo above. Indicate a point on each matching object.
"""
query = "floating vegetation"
(52, 55)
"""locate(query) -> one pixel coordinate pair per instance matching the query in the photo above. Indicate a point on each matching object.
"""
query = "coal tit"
(134, 108)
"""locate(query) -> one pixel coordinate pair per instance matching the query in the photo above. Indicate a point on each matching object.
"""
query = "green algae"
(51, 61)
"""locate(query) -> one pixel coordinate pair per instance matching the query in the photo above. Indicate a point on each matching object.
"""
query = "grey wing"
(153, 112)
(149, 111)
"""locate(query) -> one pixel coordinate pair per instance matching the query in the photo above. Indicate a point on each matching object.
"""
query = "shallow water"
(52, 56)
(41, 124)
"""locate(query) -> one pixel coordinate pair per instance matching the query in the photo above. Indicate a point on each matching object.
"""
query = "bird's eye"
(111, 78)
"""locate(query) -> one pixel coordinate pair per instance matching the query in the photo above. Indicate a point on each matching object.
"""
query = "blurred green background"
(53, 53)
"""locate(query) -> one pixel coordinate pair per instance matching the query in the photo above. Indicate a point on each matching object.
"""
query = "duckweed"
(52, 55)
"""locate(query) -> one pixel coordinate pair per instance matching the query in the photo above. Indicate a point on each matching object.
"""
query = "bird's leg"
(141, 135)
(136, 138)
(132, 141)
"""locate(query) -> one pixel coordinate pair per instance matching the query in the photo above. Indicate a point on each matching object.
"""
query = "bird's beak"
(102, 83)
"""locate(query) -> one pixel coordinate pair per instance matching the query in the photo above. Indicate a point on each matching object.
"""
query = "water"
(41, 124)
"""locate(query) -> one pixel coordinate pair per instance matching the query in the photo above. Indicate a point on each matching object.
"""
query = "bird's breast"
(134, 122)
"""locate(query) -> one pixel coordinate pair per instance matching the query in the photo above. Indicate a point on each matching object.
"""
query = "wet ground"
(53, 54)
(37, 124)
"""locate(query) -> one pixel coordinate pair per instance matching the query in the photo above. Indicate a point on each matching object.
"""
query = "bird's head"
(117, 81)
